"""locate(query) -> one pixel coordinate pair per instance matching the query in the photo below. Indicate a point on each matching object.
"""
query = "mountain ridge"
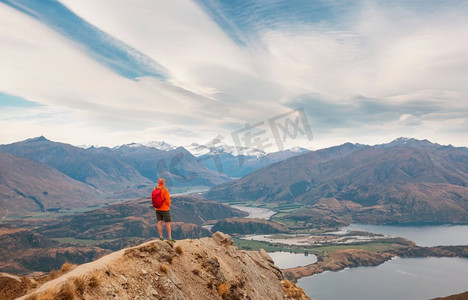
(364, 184)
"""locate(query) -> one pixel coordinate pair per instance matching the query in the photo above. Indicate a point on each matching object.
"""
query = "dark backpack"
(157, 198)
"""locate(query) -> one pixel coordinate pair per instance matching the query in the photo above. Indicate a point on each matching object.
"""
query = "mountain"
(28, 186)
(178, 166)
(100, 171)
(238, 161)
(208, 268)
(217, 147)
(160, 145)
(397, 182)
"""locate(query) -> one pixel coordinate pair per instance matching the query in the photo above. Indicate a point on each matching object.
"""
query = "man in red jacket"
(163, 211)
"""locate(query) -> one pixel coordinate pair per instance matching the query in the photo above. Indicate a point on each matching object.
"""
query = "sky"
(269, 74)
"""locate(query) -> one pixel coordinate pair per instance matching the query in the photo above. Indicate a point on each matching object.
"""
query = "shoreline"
(351, 258)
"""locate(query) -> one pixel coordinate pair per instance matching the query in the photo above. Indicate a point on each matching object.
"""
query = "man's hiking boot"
(171, 240)
(161, 239)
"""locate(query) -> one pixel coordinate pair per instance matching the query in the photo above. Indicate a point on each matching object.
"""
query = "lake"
(426, 236)
(284, 260)
(409, 278)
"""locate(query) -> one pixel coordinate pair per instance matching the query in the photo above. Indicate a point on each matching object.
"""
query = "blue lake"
(426, 236)
(408, 278)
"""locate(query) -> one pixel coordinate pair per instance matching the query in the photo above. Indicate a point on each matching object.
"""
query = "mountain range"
(406, 180)
(237, 161)
(38, 174)
(177, 165)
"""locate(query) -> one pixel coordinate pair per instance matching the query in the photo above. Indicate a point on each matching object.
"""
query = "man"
(162, 204)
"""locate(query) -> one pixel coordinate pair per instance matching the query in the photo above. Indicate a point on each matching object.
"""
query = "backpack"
(157, 198)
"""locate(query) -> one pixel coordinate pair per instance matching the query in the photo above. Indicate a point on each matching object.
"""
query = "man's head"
(161, 181)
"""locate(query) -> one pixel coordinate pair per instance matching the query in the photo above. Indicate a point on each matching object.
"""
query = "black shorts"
(163, 215)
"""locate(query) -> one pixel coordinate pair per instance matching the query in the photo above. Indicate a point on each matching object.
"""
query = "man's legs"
(168, 228)
(160, 229)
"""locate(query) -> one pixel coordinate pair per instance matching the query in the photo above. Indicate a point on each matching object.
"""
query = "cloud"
(361, 69)
(43, 66)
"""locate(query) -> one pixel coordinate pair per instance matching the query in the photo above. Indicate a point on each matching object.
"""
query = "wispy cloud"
(129, 70)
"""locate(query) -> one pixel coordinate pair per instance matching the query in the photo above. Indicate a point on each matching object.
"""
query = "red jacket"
(166, 197)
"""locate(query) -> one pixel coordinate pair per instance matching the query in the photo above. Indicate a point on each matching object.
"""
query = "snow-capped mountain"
(219, 147)
(160, 145)
(153, 144)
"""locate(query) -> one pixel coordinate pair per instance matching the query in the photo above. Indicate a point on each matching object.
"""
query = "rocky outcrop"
(249, 226)
(338, 260)
(350, 258)
(207, 268)
(438, 251)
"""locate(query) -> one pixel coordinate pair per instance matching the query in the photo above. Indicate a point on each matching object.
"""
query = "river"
(256, 212)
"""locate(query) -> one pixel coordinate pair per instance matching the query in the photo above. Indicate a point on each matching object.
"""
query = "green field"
(377, 246)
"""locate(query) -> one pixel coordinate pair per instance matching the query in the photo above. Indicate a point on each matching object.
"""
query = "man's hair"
(161, 181)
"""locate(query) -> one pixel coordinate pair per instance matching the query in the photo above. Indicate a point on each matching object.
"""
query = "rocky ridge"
(207, 268)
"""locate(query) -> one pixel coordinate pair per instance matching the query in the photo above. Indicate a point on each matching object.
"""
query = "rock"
(222, 238)
(265, 255)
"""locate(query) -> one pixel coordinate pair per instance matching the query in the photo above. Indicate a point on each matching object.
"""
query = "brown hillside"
(24, 250)
(249, 226)
(209, 268)
(27, 186)
(136, 218)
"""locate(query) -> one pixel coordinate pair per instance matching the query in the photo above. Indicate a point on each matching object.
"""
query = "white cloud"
(40, 65)
(393, 55)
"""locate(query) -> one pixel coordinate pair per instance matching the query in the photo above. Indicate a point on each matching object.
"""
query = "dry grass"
(52, 275)
(66, 267)
(292, 291)
(47, 295)
(164, 268)
(179, 250)
(80, 284)
(67, 292)
(223, 288)
(32, 297)
(94, 280)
